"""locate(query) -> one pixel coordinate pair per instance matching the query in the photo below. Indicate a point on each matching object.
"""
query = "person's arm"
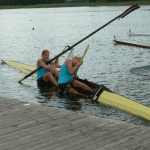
(70, 68)
(42, 64)
(56, 61)
(56, 66)
(52, 63)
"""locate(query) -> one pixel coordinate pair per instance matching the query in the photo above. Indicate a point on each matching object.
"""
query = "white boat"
(138, 34)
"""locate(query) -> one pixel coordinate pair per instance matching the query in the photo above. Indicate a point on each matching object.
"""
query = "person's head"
(45, 54)
(75, 60)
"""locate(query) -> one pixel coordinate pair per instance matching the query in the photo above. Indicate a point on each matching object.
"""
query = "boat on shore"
(102, 95)
(138, 34)
(129, 44)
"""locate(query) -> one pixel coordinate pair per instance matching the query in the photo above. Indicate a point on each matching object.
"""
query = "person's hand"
(77, 76)
(79, 63)
(51, 67)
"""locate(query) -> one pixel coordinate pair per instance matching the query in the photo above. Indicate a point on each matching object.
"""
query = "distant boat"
(129, 44)
(138, 34)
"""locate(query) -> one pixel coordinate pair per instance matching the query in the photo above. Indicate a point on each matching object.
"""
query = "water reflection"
(49, 92)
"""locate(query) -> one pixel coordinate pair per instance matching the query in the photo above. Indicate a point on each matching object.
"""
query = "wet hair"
(44, 51)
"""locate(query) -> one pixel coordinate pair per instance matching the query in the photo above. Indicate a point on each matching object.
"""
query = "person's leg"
(71, 90)
(77, 83)
(55, 72)
(49, 77)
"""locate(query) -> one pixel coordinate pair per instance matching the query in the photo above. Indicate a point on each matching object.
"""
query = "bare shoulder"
(39, 62)
(68, 62)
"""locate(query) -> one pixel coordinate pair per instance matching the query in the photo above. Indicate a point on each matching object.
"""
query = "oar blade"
(20, 80)
(84, 53)
(28, 75)
(129, 10)
(88, 47)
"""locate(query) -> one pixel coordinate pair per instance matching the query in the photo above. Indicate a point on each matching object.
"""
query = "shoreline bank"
(78, 5)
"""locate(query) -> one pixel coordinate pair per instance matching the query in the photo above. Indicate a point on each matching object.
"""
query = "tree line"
(29, 2)
(112, 0)
(36, 2)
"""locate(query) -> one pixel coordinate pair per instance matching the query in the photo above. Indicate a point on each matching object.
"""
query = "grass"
(78, 4)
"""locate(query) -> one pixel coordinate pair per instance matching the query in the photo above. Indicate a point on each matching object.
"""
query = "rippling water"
(105, 63)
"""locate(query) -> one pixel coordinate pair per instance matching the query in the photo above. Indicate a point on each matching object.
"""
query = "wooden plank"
(37, 127)
(54, 132)
(95, 140)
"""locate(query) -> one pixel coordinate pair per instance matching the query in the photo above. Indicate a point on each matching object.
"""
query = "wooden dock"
(26, 126)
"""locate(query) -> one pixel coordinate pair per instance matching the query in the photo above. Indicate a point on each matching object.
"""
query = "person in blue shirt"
(43, 74)
(66, 72)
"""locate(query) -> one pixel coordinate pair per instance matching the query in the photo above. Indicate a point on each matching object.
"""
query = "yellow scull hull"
(105, 97)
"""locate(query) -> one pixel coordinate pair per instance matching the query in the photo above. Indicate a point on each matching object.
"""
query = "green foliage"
(111, 1)
(28, 2)
(62, 4)
(92, 1)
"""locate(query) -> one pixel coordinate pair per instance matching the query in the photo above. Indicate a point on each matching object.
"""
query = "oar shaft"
(29, 75)
(128, 10)
(132, 8)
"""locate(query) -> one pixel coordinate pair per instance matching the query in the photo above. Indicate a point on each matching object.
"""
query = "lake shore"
(78, 5)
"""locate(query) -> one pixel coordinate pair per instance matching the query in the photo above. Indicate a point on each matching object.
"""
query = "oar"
(129, 10)
(74, 74)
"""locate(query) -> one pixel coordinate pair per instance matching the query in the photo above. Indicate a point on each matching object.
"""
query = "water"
(105, 63)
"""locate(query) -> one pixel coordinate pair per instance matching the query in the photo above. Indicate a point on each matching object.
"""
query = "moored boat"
(138, 34)
(103, 95)
(130, 44)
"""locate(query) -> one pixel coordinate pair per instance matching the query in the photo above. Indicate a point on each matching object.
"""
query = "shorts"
(63, 86)
(41, 82)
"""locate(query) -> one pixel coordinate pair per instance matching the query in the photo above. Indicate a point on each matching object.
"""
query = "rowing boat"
(103, 95)
(138, 34)
(130, 44)
(22, 67)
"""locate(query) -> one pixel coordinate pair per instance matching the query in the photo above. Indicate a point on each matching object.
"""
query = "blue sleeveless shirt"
(40, 72)
(64, 76)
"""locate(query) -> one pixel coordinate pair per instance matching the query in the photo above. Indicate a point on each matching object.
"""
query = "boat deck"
(36, 127)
